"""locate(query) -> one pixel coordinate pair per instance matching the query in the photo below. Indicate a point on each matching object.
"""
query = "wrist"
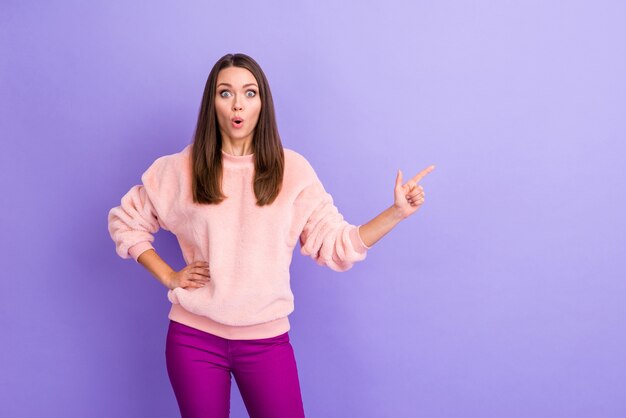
(397, 213)
(168, 279)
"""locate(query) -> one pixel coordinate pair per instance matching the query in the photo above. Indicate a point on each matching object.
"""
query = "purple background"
(503, 296)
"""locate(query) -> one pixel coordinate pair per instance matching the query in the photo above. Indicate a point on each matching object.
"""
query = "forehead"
(235, 76)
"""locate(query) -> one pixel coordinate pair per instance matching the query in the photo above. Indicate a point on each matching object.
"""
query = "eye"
(224, 91)
(251, 91)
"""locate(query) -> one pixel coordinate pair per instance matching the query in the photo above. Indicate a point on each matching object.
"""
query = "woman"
(238, 203)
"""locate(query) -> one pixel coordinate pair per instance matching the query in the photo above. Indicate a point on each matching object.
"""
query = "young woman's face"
(237, 103)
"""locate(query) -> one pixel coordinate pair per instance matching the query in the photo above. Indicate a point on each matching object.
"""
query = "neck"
(237, 147)
(245, 161)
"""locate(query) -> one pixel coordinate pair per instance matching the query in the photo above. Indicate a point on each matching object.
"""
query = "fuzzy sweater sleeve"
(327, 238)
(132, 225)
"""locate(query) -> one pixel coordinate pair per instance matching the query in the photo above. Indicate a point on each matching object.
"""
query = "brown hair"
(269, 159)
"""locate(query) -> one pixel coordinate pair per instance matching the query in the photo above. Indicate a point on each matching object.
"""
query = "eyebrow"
(245, 85)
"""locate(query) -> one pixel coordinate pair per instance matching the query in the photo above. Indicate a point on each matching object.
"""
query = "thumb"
(399, 179)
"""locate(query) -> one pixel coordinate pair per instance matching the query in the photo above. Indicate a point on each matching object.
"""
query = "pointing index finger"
(423, 173)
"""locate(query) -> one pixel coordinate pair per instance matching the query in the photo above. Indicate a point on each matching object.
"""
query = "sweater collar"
(237, 160)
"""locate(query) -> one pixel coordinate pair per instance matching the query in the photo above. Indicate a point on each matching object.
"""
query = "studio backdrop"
(503, 296)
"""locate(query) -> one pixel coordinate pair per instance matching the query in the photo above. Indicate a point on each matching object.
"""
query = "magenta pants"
(199, 365)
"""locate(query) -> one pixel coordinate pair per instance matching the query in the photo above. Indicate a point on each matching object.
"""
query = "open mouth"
(236, 122)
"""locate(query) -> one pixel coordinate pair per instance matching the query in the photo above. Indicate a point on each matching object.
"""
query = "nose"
(237, 104)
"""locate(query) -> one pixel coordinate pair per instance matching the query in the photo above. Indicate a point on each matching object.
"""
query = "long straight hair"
(269, 158)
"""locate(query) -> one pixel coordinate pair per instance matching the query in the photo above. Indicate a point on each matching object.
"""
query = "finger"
(415, 196)
(196, 283)
(399, 178)
(418, 198)
(199, 278)
(200, 271)
(415, 193)
(422, 173)
(196, 272)
(194, 268)
(414, 187)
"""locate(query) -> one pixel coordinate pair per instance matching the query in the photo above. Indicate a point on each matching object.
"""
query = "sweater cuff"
(136, 250)
(357, 241)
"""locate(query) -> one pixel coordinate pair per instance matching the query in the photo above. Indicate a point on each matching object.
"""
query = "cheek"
(219, 109)
(257, 109)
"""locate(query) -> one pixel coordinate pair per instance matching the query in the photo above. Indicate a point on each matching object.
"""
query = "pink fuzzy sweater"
(248, 248)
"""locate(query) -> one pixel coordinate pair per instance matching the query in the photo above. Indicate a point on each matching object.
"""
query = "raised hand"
(410, 196)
